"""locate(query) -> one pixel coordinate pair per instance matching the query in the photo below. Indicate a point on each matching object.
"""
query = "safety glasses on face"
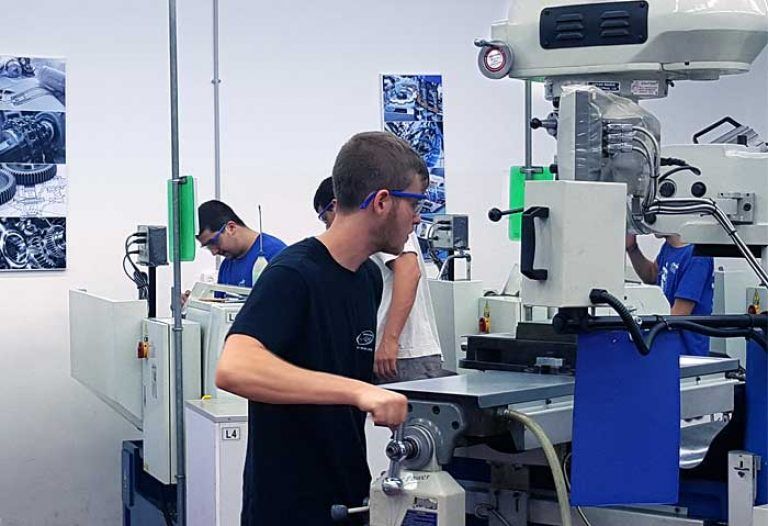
(327, 208)
(214, 241)
(417, 200)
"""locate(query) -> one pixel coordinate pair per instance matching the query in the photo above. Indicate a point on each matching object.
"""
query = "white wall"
(298, 80)
(59, 445)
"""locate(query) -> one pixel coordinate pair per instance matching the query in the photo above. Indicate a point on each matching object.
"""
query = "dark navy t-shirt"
(239, 271)
(312, 312)
(685, 276)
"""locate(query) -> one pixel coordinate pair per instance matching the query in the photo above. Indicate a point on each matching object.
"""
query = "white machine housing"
(159, 385)
(103, 336)
(735, 178)
(215, 316)
(455, 316)
(577, 211)
(687, 39)
(428, 497)
(216, 440)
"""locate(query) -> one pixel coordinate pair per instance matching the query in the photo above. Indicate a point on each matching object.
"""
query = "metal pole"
(216, 104)
(181, 501)
(216, 113)
(528, 130)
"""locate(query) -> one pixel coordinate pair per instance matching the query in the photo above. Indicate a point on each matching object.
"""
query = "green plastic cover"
(188, 218)
(517, 180)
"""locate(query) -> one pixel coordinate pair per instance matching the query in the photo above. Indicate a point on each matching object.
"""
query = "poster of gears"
(33, 174)
(412, 109)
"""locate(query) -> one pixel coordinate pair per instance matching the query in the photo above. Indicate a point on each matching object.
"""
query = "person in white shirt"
(407, 346)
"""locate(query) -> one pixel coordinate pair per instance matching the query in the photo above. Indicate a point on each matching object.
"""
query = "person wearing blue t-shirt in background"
(225, 234)
(687, 282)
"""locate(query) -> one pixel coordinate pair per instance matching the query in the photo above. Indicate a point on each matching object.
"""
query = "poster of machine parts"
(33, 173)
(32, 84)
(412, 109)
(33, 190)
(33, 243)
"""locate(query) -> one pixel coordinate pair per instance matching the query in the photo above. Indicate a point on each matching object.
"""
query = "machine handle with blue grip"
(528, 242)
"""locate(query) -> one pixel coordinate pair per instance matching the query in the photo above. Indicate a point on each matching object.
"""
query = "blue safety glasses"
(214, 241)
(327, 208)
(417, 199)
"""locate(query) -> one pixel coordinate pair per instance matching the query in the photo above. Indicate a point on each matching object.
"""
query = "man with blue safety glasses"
(302, 347)
(225, 234)
(408, 346)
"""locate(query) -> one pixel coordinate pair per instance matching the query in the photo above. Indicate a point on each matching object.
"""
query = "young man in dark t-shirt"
(301, 349)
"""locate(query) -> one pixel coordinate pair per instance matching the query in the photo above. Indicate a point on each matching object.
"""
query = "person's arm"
(682, 307)
(695, 278)
(646, 269)
(405, 284)
(248, 369)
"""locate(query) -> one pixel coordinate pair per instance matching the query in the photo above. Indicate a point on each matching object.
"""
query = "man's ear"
(380, 199)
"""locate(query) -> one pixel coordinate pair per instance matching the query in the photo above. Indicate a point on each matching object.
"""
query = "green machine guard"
(517, 178)
(188, 218)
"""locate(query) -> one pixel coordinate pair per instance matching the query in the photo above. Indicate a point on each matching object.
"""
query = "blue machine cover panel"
(626, 421)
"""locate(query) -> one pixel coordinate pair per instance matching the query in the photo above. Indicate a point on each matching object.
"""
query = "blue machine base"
(146, 501)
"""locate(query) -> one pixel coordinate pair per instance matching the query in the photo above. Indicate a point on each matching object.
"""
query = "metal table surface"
(498, 388)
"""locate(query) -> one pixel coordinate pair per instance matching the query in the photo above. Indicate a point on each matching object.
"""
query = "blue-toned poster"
(33, 170)
(412, 109)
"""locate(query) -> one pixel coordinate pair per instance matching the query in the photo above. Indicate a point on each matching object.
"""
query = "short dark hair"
(372, 161)
(324, 194)
(212, 215)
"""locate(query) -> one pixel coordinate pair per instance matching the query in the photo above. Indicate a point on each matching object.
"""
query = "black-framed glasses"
(418, 204)
(214, 241)
(327, 208)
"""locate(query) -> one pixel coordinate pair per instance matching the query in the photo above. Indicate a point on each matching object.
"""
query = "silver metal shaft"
(528, 130)
(181, 501)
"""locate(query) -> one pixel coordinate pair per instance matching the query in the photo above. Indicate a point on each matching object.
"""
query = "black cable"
(139, 278)
(702, 329)
(673, 171)
(600, 296)
(672, 161)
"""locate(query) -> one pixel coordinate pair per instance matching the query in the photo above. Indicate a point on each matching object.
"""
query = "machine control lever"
(495, 215)
(398, 450)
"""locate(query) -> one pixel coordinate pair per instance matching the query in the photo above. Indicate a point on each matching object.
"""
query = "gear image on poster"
(28, 243)
(33, 190)
(32, 137)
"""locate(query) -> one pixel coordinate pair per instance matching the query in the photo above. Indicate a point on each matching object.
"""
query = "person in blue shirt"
(687, 282)
(225, 234)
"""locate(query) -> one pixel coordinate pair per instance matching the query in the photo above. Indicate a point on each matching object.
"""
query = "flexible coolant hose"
(554, 463)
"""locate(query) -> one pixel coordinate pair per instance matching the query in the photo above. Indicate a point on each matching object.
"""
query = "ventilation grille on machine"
(596, 24)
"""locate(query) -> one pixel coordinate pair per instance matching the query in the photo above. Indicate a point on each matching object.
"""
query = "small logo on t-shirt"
(365, 341)
(667, 271)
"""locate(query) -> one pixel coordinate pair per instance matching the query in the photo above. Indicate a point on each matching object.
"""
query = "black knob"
(650, 218)
(698, 189)
(536, 123)
(667, 189)
(494, 214)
